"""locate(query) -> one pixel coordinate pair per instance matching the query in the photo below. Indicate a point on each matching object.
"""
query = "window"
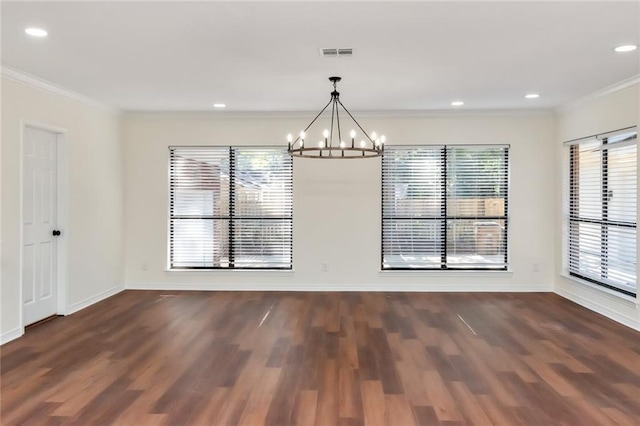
(602, 210)
(445, 207)
(230, 207)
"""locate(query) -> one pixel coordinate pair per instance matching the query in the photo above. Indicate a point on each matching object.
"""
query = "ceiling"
(264, 56)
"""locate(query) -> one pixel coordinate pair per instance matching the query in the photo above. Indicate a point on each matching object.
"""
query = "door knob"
(56, 232)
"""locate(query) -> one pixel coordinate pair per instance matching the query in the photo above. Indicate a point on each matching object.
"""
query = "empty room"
(319, 213)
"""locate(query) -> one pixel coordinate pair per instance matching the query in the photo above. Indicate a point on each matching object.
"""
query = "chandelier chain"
(354, 120)
(314, 120)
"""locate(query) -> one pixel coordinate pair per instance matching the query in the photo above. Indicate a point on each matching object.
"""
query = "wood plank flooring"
(253, 358)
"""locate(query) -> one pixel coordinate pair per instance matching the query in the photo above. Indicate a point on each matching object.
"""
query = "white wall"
(337, 203)
(603, 112)
(95, 199)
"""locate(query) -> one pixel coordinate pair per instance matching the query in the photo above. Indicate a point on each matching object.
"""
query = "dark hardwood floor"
(252, 358)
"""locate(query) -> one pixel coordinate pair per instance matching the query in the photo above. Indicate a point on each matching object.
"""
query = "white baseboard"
(71, 309)
(387, 287)
(11, 335)
(18, 331)
(592, 304)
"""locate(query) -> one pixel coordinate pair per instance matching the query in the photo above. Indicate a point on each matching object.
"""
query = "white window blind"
(445, 207)
(603, 210)
(230, 207)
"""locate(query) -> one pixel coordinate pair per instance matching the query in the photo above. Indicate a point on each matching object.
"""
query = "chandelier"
(332, 144)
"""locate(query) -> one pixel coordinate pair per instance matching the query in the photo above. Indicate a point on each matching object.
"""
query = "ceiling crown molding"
(219, 115)
(605, 91)
(47, 86)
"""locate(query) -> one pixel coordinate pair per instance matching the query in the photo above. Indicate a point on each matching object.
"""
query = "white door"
(39, 206)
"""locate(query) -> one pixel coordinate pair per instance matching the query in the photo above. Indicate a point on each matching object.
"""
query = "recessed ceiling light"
(532, 96)
(36, 32)
(626, 48)
(457, 103)
(219, 105)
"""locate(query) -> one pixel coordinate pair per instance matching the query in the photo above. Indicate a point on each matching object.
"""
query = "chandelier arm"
(314, 120)
(333, 109)
(354, 120)
(338, 121)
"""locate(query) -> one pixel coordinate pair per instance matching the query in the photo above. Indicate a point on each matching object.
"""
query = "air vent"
(333, 53)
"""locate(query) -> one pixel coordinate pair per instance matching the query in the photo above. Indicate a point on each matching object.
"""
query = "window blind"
(603, 210)
(445, 207)
(230, 207)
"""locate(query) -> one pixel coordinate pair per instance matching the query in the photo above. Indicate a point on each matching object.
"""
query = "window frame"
(605, 224)
(231, 217)
(444, 218)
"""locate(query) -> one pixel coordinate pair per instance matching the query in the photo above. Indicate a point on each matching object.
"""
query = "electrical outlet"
(325, 266)
(144, 266)
(535, 267)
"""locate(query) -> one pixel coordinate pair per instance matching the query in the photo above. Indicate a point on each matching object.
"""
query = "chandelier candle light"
(332, 145)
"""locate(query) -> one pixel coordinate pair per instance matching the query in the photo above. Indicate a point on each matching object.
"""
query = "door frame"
(62, 194)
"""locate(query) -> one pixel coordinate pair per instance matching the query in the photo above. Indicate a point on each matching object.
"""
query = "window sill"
(448, 272)
(599, 288)
(226, 271)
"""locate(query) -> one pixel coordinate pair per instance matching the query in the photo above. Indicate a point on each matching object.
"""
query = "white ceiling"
(264, 56)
